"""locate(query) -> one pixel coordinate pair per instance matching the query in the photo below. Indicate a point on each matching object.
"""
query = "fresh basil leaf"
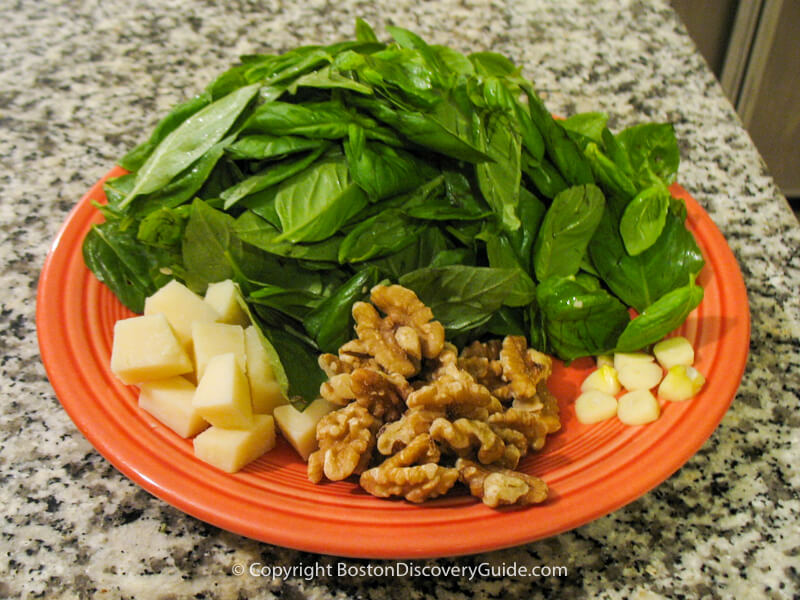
(263, 146)
(544, 176)
(295, 304)
(447, 130)
(579, 322)
(189, 141)
(380, 170)
(299, 361)
(652, 151)
(364, 32)
(131, 270)
(272, 175)
(134, 159)
(588, 126)
(383, 234)
(640, 280)
(501, 255)
(609, 174)
(566, 230)
(662, 316)
(564, 153)
(644, 218)
(531, 212)
(315, 203)
(499, 179)
(260, 233)
(461, 297)
(430, 245)
(331, 323)
(162, 228)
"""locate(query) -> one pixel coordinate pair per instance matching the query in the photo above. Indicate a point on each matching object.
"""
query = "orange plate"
(591, 470)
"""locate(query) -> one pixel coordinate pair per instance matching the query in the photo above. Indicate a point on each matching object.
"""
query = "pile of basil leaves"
(310, 176)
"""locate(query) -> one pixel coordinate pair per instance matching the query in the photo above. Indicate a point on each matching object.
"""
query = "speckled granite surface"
(80, 82)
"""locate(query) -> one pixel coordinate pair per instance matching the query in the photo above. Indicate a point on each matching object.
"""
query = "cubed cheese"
(224, 296)
(223, 395)
(170, 401)
(146, 348)
(182, 307)
(232, 449)
(213, 339)
(300, 428)
(265, 392)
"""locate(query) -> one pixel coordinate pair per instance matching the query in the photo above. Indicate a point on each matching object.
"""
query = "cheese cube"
(223, 395)
(638, 408)
(674, 351)
(182, 307)
(300, 428)
(265, 392)
(146, 348)
(232, 449)
(170, 401)
(212, 339)
(224, 296)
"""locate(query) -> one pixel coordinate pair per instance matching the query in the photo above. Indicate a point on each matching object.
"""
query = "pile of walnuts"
(434, 416)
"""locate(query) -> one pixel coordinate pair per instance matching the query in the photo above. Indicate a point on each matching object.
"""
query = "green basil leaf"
(499, 180)
(315, 203)
(640, 280)
(189, 141)
(661, 317)
(383, 234)
(461, 297)
(579, 322)
(261, 233)
(331, 323)
(263, 146)
(566, 230)
(644, 218)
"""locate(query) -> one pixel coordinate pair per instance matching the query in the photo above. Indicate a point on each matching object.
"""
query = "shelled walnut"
(437, 416)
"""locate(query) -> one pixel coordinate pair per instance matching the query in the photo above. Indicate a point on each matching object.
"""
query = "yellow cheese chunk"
(213, 339)
(223, 395)
(265, 392)
(232, 449)
(300, 428)
(146, 348)
(182, 307)
(224, 296)
(170, 401)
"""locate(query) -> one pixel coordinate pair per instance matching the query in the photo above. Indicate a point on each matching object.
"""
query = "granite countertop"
(81, 82)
